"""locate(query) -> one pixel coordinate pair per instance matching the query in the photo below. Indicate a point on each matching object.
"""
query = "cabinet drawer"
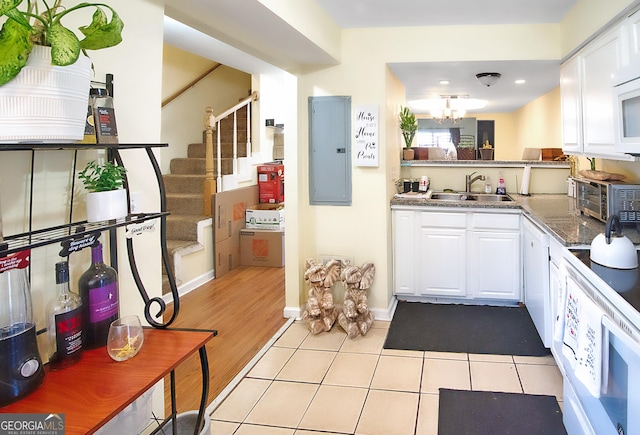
(495, 221)
(443, 219)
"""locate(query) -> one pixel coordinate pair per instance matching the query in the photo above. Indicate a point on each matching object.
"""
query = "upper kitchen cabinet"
(586, 94)
(633, 35)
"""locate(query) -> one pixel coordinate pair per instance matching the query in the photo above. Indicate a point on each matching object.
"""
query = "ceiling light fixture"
(488, 78)
(444, 82)
(520, 81)
(447, 114)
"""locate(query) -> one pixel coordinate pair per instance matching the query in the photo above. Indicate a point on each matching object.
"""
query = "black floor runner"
(464, 328)
(489, 413)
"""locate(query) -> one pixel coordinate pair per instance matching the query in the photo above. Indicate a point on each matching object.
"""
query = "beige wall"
(182, 118)
(137, 103)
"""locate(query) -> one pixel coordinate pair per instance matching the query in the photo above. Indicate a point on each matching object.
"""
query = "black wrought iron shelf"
(59, 234)
(40, 146)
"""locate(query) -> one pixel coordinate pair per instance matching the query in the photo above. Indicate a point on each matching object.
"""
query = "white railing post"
(249, 150)
(219, 158)
(235, 142)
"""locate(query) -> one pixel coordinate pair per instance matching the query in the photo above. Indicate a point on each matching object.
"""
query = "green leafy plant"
(38, 22)
(102, 177)
(408, 125)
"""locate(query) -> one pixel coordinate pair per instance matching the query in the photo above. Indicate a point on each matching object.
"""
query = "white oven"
(600, 354)
(626, 97)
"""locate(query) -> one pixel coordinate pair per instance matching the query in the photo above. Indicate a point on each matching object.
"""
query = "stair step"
(187, 166)
(184, 203)
(183, 183)
(183, 227)
(197, 150)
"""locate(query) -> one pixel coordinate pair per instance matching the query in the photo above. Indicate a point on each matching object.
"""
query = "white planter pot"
(45, 103)
(104, 206)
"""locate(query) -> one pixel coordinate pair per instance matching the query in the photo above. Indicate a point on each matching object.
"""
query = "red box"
(271, 183)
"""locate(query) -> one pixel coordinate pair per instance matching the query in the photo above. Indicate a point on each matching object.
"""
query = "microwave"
(626, 110)
(601, 199)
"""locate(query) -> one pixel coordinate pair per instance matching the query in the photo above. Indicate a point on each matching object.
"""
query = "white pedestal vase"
(104, 206)
(45, 103)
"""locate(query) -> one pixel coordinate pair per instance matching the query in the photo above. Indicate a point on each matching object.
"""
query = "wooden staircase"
(184, 187)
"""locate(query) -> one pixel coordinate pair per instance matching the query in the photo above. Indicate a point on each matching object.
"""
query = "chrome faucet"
(469, 181)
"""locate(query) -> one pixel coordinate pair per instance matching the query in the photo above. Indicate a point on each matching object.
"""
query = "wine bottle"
(98, 287)
(64, 314)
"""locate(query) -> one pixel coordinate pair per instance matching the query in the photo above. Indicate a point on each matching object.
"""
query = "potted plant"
(35, 43)
(106, 199)
(408, 126)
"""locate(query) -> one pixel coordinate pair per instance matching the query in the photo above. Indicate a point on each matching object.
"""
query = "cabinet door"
(570, 106)
(555, 294)
(494, 266)
(404, 252)
(599, 61)
(442, 262)
(536, 279)
(633, 35)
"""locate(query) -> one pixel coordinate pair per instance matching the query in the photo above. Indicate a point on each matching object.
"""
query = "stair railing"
(214, 184)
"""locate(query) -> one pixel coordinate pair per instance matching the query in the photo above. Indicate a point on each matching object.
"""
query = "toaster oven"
(601, 199)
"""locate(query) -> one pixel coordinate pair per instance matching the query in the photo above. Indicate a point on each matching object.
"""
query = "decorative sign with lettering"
(79, 242)
(366, 128)
(137, 229)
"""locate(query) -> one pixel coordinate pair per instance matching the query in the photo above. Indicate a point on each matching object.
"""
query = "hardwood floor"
(246, 307)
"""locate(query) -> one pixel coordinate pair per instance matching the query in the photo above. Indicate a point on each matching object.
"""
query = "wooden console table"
(96, 389)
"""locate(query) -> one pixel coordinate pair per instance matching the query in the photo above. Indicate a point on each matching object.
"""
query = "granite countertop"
(555, 213)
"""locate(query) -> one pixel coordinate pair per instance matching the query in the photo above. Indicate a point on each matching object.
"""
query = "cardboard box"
(228, 219)
(262, 248)
(549, 154)
(265, 217)
(271, 183)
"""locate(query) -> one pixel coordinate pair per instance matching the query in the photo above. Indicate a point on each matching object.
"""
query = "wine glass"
(125, 338)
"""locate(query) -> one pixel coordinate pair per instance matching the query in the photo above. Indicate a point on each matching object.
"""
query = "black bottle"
(64, 314)
(98, 288)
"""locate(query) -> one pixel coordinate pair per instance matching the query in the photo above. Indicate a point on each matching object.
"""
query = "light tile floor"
(310, 384)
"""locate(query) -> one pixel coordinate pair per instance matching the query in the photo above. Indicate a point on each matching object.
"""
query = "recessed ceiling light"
(444, 82)
(520, 81)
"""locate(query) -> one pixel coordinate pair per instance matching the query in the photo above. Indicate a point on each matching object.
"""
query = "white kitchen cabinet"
(442, 254)
(404, 251)
(600, 60)
(571, 106)
(468, 254)
(633, 35)
(535, 253)
(586, 95)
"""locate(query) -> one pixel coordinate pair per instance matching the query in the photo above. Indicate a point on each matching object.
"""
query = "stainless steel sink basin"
(463, 196)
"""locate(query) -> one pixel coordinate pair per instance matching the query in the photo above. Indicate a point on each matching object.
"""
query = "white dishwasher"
(535, 248)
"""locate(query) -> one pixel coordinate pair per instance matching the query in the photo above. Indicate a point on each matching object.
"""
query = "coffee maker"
(21, 370)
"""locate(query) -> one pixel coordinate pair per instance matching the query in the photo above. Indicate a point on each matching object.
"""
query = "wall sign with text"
(366, 128)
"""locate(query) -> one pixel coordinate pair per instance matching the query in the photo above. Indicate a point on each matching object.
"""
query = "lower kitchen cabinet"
(442, 254)
(470, 254)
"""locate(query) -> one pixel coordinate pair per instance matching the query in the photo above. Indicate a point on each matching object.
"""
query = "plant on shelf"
(102, 177)
(106, 199)
(38, 22)
(408, 126)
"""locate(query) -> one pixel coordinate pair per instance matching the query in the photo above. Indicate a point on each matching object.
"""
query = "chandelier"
(448, 114)
(447, 109)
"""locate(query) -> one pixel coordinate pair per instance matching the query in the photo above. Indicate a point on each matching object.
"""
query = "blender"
(21, 370)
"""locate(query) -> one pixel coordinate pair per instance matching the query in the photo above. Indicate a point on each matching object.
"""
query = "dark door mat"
(464, 328)
(490, 413)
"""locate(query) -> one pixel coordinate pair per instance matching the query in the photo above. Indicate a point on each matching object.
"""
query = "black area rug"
(489, 413)
(464, 328)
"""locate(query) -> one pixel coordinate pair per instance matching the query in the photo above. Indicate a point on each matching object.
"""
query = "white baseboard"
(185, 288)
(292, 312)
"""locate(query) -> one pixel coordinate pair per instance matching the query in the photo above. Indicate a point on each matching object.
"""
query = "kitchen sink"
(464, 196)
